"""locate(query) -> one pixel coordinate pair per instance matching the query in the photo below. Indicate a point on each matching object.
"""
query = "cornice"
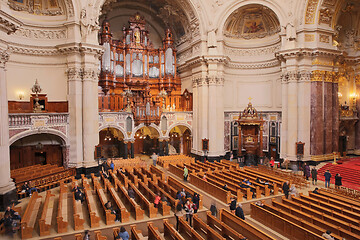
(261, 65)
(301, 52)
(8, 23)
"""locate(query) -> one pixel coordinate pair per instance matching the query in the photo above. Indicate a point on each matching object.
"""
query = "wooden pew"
(242, 227)
(185, 228)
(327, 210)
(122, 178)
(326, 223)
(145, 203)
(344, 205)
(157, 172)
(344, 199)
(200, 226)
(169, 189)
(143, 178)
(46, 216)
(178, 185)
(135, 208)
(91, 204)
(286, 227)
(224, 229)
(78, 214)
(155, 188)
(178, 171)
(134, 179)
(125, 215)
(153, 232)
(29, 218)
(98, 235)
(151, 175)
(136, 234)
(212, 189)
(163, 207)
(170, 231)
(109, 217)
(62, 216)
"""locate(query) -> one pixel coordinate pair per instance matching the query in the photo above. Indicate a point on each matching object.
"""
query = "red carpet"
(349, 171)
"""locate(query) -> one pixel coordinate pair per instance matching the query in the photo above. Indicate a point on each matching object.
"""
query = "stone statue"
(290, 28)
(88, 23)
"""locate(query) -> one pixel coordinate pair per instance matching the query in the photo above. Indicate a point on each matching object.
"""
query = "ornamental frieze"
(252, 52)
(42, 34)
(311, 11)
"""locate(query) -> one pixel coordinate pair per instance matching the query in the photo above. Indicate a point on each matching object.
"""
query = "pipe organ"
(135, 76)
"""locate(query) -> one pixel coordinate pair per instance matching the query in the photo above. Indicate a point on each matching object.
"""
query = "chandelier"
(108, 135)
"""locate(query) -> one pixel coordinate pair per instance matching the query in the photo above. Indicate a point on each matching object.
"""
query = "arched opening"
(111, 141)
(37, 149)
(146, 141)
(180, 140)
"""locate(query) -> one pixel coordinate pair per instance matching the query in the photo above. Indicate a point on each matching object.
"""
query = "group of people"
(289, 189)
(236, 208)
(188, 205)
(338, 179)
(29, 188)
(78, 194)
(11, 221)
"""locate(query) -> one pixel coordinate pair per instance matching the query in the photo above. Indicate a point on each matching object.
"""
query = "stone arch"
(167, 134)
(272, 5)
(115, 127)
(143, 125)
(39, 131)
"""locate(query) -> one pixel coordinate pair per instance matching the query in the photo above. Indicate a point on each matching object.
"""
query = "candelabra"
(127, 93)
(36, 89)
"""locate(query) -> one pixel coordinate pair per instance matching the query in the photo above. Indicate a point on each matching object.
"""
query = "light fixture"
(127, 93)
(20, 95)
(108, 135)
(39, 146)
(36, 89)
(339, 94)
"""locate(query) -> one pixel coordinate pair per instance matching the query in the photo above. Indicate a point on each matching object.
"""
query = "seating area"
(226, 172)
(43, 177)
(126, 163)
(164, 161)
(310, 216)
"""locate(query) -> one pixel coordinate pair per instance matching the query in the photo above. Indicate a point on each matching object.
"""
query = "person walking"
(286, 189)
(154, 157)
(327, 176)
(314, 176)
(186, 173)
(307, 171)
(338, 182)
(179, 213)
(189, 209)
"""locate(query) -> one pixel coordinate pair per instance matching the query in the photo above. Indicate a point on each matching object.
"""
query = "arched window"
(163, 123)
(129, 124)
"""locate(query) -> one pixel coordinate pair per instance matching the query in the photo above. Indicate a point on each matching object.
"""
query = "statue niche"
(250, 134)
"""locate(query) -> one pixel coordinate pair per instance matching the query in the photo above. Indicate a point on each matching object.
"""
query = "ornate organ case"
(132, 63)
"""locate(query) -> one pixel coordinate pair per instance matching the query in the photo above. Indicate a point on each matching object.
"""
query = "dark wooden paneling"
(25, 107)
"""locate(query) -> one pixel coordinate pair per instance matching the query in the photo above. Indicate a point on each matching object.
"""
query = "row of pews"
(308, 217)
(225, 172)
(164, 161)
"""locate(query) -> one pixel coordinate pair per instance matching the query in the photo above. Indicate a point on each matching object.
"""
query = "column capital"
(4, 58)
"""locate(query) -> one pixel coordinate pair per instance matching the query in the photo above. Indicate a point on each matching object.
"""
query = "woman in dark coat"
(285, 188)
(338, 182)
(307, 171)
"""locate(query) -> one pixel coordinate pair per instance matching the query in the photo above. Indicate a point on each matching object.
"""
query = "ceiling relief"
(38, 7)
(176, 15)
(252, 21)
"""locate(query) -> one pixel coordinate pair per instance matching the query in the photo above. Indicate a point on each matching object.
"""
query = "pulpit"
(250, 133)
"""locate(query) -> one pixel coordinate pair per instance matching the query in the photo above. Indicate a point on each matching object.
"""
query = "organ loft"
(138, 78)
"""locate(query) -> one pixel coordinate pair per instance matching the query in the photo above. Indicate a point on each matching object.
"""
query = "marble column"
(292, 114)
(284, 118)
(357, 125)
(132, 149)
(328, 113)
(90, 115)
(335, 115)
(74, 74)
(166, 147)
(125, 150)
(182, 144)
(317, 120)
(161, 147)
(7, 186)
(195, 123)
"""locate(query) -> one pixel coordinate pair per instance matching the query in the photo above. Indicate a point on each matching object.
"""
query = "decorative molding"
(252, 52)
(316, 61)
(326, 16)
(4, 57)
(310, 13)
(39, 9)
(309, 38)
(270, 64)
(33, 51)
(293, 76)
(8, 23)
(74, 73)
(324, 38)
(317, 76)
(42, 34)
(304, 76)
(69, 7)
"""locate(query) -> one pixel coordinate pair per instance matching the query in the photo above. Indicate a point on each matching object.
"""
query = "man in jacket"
(327, 176)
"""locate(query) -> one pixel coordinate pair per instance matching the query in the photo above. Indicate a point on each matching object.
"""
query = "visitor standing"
(327, 176)
(338, 182)
(154, 157)
(314, 176)
(186, 172)
(286, 189)
(307, 171)
(239, 211)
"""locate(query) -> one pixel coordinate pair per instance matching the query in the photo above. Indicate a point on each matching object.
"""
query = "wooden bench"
(177, 171)
(157, 172)
(125, 215)
(91, 204)
(345, 199)
(224, 229)
(242, 227)
(200, 226)
(293, 230)
(135, 208)
(163, 207)
(62, 216)
(167, 188)
(155, 188)
(212, 189)
(46, 216)
(144, 202)
(98, 235)
(136, 234)
(342, 204)
(185, 228)
(78, 213)
(170, 231)
(178, 185)
(153, 232)
(109, 217)
(29, 218)
(151, 175)
(143, 178)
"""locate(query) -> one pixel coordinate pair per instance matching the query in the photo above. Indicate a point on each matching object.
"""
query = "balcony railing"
(27, 119)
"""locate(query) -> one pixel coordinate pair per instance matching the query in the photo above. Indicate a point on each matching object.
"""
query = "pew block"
(62, 225)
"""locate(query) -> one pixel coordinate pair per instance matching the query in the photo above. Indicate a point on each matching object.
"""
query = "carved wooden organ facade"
(137, 77)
